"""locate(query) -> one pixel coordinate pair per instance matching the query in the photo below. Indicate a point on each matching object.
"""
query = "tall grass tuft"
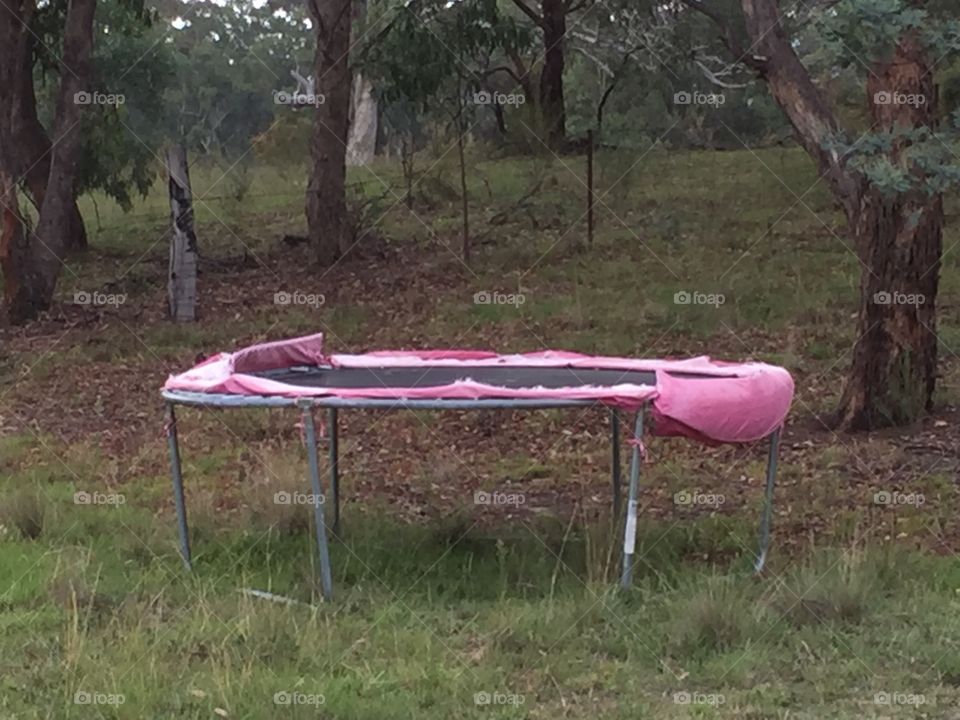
(26, 510)
(831, 589)
(713, 616)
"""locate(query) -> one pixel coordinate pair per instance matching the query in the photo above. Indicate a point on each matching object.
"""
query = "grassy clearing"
(439, 601)
(430, 618)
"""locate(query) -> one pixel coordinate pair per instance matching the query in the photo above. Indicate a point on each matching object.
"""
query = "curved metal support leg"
(630, 527)
(176, 475)
(615, 461)
(768, 502)
(334, 470)
(310, 432)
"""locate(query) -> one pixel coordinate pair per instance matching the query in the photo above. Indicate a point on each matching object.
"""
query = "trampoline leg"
(615, 461)
(768, 502)
(334, 470)
(177, 477)
(630, 526)
(319, 501)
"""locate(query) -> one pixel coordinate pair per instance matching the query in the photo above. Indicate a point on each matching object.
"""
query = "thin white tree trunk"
(362, 140)
(182, 280)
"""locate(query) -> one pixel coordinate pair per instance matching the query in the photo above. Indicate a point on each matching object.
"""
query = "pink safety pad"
(724, 403)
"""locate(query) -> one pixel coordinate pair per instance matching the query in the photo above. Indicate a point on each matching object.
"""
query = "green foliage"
(903, 160)
(868, 29)
(231, 61)
(863, 31)
(860, 33)
(438, 52)
(120, 141)
(130, 61)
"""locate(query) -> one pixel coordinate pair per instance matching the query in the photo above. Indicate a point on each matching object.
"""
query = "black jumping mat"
(433, 376)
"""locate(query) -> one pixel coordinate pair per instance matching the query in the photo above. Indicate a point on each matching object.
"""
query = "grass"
(424, 625)
(445, 608)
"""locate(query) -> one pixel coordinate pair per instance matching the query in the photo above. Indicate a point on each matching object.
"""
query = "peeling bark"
(182, 273)
(900, 243)
(362, 139)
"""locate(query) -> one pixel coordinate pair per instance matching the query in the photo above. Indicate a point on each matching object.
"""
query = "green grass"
(427, 618)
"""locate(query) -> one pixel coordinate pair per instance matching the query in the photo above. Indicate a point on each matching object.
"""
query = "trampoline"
(698, 398)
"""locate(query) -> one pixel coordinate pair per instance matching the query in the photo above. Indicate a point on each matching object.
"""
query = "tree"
(233, 64)
(551, 19)
(32, 260)
(436, 57)
(31, 154)
(888, 181)
(119, 140)
(326, 201)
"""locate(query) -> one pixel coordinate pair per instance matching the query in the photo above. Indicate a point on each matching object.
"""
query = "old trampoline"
(697, 398)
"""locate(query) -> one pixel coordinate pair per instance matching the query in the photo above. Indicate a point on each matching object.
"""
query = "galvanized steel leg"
(768, 502)
(334, 474)
(318, 499)
(630, 526)
(615, 461)
(177, 477)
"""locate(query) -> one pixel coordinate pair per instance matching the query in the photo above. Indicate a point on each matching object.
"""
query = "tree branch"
(502, 68)
(727, 35)
(529, 12)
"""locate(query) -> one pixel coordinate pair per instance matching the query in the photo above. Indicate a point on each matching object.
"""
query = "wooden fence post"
(182, 279)
(590, 188)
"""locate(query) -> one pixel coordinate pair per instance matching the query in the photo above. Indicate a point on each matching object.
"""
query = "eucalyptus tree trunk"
(899, 242)
(182, 276)
(362, 138)
(13, 244)
(32, 261)
(898, 237)
(33, 148)
(551, 19)
(553, 15)
(13, 239)
(326, 204)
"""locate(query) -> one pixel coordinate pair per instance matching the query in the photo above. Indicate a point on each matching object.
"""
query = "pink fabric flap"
(280, 354)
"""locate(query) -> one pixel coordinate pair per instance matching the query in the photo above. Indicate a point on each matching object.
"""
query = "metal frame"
(307, 405)
(318, 500)
(630, 526)
(767, 514)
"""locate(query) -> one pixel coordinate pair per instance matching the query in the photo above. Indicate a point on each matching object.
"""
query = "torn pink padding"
(280, 354)
(741, 402)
